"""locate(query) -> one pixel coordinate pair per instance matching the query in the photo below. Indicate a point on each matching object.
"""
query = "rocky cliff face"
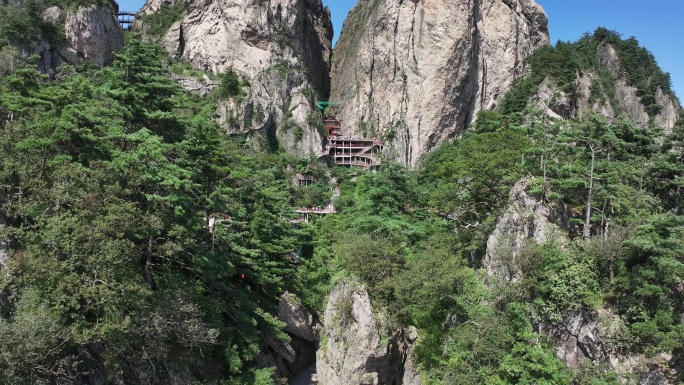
(589, 335)
(579, 336)
(525, 220)
(281, 47)
(357, 349)
(589, 100)
(92, 33)
(417, 72)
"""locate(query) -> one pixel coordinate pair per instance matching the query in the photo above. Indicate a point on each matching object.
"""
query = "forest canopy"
(137, 234)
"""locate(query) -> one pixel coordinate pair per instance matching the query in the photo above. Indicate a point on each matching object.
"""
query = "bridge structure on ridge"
(126, 19)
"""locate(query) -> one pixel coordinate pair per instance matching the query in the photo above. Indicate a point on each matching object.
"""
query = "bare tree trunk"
(590, 194)
(149, 277)
(544, 159)
(604, 220)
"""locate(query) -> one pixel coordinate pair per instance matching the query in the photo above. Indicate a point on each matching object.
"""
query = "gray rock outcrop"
(628, 103)
(201, 86)
(92, 33)
(554, 101)
(577, 337)
(526, 220)
(417, 72)
(355, 347)
(298, 320)
(281, 47)
(655, 377)
(583, 106)
(667, 117)
(152, 6)
(588, 335)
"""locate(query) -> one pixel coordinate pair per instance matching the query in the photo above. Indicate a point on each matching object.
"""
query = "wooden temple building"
(345, 151)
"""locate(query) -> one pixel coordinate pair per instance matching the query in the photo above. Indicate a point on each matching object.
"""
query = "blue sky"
(657, 24)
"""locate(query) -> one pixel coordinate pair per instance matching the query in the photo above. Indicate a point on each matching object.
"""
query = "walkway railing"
(353, 151)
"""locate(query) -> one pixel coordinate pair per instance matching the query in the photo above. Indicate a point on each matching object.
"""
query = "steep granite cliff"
(281, 49)
(72, 35)
(417, 72)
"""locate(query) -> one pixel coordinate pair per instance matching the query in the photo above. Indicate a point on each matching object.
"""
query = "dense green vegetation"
(110, 177)
(565, 61)
(24, 24)
(417, 238)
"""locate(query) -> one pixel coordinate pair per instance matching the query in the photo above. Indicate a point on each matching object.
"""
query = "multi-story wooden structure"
(345, 151)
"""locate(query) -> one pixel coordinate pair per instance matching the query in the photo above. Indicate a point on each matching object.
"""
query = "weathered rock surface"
(629, 104)
(417, 72)
(411, 374)
(299, 354)
(586, 335)
(152, 6)
(201, 86)
(655, 377)
(282, 47)
(667, 118)
(554, 101)
(525, 220)
(298, 320)
(355, 351)
(92, 33)
(584, 106)
(578, 336)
